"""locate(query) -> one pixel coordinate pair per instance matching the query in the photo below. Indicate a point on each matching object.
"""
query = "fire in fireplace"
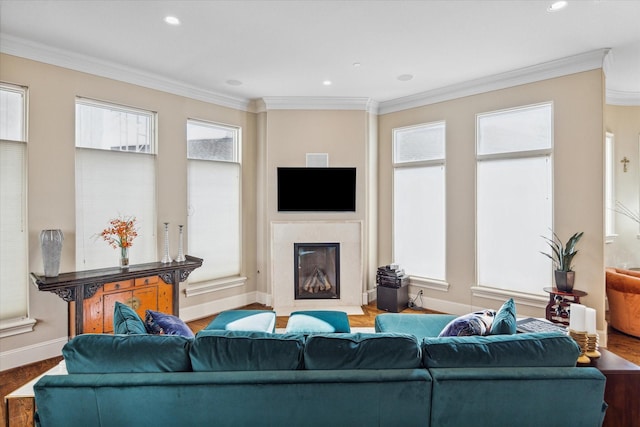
(317, 270)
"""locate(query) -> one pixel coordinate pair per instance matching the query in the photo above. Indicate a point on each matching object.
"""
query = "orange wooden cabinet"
(92, 294)
(141, 294)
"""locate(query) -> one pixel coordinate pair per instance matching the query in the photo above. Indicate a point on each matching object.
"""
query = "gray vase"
(51, 241)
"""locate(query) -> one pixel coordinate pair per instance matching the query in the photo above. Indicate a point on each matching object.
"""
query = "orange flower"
(121, 232)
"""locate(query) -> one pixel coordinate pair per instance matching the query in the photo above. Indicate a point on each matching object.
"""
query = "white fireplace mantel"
(283, 236)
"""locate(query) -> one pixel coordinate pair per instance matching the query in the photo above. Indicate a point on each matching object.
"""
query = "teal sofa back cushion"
(219, 350)
(362, 351)
(519, 350)
(104, 353)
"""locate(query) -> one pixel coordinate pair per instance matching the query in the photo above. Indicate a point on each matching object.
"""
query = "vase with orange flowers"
(120, 234)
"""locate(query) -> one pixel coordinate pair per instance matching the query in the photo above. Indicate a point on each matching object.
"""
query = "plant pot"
(565, 280)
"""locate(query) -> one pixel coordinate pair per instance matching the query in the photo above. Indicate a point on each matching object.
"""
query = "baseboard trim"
(32, 353)
(209, 308)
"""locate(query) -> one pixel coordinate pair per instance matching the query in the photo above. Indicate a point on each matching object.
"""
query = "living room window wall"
(419, 230)
(14, 274)
(514, 200)
(213, 186)
(115, 177)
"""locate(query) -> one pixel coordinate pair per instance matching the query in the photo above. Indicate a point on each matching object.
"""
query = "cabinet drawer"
(144, 281)
(116, 286)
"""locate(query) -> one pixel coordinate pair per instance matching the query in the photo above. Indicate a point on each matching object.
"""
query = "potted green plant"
(562, 256)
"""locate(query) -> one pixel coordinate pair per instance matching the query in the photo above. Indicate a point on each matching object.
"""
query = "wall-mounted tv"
(316, 189)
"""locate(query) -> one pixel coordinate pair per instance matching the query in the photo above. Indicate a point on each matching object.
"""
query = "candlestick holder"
(592, 346)
(180, 257)
(166, 258)
(582, 339)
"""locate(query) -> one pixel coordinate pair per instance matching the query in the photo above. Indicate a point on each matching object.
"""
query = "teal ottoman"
(318, 321)
(244, 320)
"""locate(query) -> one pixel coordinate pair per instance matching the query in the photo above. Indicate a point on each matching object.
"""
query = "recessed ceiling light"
(171, 20)
(555, 6)
(233, 82)
(356, 64)
(327, 82)
(405, 77)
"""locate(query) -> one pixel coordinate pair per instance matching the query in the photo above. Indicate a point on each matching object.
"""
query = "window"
(419, 200)
(14, 268)
(514, 203)
(213, 228)
(115, 177)
(609, 187)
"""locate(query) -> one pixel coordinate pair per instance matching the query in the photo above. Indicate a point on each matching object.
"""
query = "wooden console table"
(622, 390)
(92, 294)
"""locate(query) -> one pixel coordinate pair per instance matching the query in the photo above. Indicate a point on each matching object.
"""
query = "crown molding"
(547, 70)
(587, 61)
(617, 97)
(16, 46)
(316, 103)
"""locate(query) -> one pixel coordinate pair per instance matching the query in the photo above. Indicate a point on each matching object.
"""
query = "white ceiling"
(288, 48)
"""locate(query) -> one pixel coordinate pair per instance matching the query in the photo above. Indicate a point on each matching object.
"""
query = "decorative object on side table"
(120, 235)
(582, 328)
(51, 243)
(166, 258)
(557, 310)
(180, 257)
(562, 256)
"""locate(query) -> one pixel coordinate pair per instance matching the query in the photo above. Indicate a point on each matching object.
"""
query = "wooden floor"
(623, 345)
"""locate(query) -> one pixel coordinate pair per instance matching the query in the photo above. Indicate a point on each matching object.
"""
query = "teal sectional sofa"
(234, 378)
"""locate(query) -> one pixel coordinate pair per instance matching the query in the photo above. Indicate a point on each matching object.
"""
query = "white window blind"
(14, 273)
(514, 199)
(419, 233)
(114, 178)
(214, 214)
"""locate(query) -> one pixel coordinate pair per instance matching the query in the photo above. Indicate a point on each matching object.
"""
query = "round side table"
(558, 307)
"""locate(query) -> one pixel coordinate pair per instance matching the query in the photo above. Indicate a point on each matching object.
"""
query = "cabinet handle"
(146, 281)
(117, 285)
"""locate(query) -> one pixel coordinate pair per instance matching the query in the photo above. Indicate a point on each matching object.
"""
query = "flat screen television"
(316, 189)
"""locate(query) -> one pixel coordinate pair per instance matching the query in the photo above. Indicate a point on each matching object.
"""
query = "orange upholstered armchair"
(623, 293)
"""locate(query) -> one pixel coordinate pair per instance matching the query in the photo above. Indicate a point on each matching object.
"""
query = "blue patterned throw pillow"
(478, 323)
(166, 324)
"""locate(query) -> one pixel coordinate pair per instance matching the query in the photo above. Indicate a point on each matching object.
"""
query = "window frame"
(487, 290)
(427, 282)
(198, 286)
(24, 323)
(149, 229)
(609, 188)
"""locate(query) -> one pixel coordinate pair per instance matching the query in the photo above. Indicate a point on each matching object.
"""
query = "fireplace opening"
(317, 270)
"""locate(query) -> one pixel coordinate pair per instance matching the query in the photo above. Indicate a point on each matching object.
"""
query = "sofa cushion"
(362, 351)
(478, 323)
(126, 320)
(536, 349)
(504, 321)
(166, 324)
(419, 325)
(105, 353)
(218, 350)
